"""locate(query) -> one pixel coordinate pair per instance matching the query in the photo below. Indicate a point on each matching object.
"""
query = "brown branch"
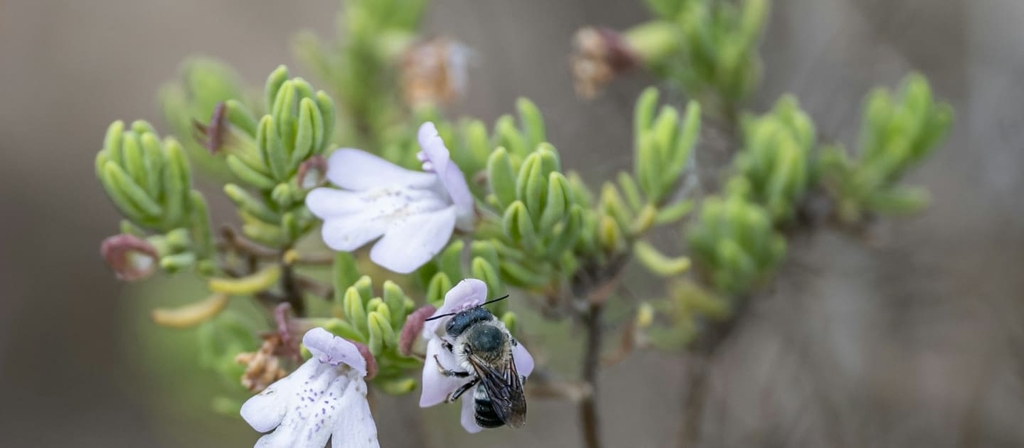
(244, 246)
(591, 363)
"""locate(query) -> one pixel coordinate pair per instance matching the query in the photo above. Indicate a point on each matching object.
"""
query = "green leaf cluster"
(191, 102)
(733, 242)
(375, 320)
(267, 154)
(716, 58)
(898, 131)
(150, 183)
(776, 157)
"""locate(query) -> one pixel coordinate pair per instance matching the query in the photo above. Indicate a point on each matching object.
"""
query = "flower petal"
(266, 410)
(468, 414)
(312, 410)
(436, 386)
(464, 295)
(331, 203)
(355, 428)
(330, 349)
(355, 169)
(523, 360)
(434, 150)
(436, 154)
(411, 242)
(349, 233)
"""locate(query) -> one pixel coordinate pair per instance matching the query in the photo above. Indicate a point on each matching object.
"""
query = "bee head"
(487, 341)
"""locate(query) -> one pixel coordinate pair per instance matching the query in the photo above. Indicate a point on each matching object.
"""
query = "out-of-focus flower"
(325, 398)
(434, 72)
(413, 213)
(130, 257)
(600, 55)
(467, 294)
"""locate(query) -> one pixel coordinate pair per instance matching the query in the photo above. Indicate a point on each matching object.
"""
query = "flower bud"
(130, 257)
(312, 173)
(371, 361)
(412, 328)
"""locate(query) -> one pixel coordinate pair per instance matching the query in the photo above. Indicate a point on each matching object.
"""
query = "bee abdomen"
(483, 410)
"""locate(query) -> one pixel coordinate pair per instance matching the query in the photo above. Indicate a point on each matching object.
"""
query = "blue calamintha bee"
(483, 350)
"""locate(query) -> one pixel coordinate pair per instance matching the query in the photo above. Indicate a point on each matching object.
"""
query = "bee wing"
(504, 387)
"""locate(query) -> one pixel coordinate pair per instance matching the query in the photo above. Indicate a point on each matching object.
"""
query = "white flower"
(436, 387)
(413, 213)
(324, 398)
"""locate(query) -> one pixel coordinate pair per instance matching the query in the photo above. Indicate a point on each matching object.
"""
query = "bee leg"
(447, 346)
(447, 372)
(462, 389)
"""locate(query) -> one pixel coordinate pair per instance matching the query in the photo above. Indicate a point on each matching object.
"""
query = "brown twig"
(243, 246)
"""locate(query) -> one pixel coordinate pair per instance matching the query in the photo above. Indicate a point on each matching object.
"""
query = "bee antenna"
(438, 317)
(494, 300)
(480, 305)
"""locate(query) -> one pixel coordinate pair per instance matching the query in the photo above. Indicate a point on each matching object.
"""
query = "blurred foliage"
(898, 131)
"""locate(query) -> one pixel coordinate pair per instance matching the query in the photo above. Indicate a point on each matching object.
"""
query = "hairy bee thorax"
(488, 342)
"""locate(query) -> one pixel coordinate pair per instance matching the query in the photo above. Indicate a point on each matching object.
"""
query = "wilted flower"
(413, 213)
(600, 55)
(434, 72)
(325, 398)
(262, 367)
(212, 135)
(436, 386)
(130, 257)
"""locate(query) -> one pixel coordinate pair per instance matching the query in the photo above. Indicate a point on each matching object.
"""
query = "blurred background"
(914, 340)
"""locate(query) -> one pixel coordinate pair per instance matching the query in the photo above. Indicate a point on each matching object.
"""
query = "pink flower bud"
(312, 173)
(412, 328)
(371, 362)
(130, 257)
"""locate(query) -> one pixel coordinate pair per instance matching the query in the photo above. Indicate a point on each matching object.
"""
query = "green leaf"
(394, 298)
(501, 178)
(355, 314)
(533, 122)
(249, 175)
(658, 263)
(558, 202)
(135, 194)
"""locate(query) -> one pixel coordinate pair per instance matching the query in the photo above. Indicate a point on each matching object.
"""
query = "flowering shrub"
(432, 222)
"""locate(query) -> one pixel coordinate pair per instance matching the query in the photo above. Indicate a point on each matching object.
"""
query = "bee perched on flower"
(475, 359)
(413, 213)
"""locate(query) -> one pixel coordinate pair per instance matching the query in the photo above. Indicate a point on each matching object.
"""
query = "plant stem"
(292, 293)
(703, 353)
(591, 363)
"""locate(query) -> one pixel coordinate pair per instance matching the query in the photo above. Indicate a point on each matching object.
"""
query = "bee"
(483, 350)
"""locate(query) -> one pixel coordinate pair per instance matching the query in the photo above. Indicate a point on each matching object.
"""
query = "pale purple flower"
(436, 387)
(413, 213)
(325, 398)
